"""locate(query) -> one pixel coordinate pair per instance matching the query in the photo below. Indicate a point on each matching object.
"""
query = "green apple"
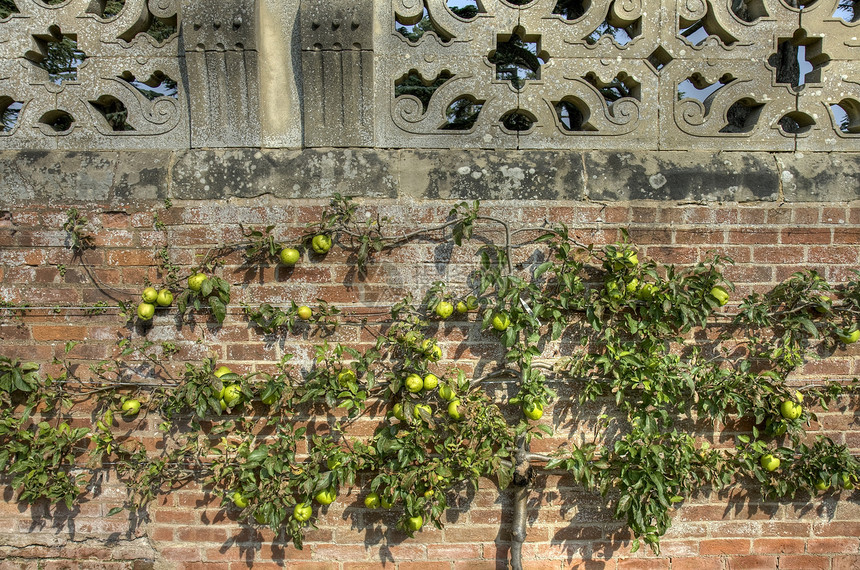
(232, 395)
(346, 376)
(130, 407)
(289, 256)
(432, 350)
(164, 298)
(533, 410)
(454, 410)
(326, 496)
(769, 463)
(302, 512)
(195, 281)
(149, 295)
(304, 312)
(415, 523)
(422, 408)
(221, 371)
(446, 392)
(850, 337)
(646, 291)
(398, 412)
(321, 243)
(371, 501)
(145, 311)
(501, 321)
(239, 500)
(414, 383)
(720, 294)
(430, 382)
(444, 309)
(790, 410)
(461, 307)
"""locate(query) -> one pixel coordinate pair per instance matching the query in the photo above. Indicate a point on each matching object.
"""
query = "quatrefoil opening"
(517, 57)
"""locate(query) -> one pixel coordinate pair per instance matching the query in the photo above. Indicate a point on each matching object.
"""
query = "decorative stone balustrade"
(729, 75)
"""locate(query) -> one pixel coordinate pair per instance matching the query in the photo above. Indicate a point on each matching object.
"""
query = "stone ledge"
(126, 177)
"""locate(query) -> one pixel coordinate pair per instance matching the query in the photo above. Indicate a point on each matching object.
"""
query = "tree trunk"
(521, 488)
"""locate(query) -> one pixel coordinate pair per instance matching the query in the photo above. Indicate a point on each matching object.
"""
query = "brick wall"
(567, 527)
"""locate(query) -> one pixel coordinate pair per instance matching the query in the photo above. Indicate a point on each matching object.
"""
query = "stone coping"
(126, 177)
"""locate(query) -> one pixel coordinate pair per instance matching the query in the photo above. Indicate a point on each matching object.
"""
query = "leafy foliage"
(653, 340)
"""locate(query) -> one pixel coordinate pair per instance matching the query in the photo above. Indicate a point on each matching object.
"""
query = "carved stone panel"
(220, 41)
(75, 76)
(337, 72)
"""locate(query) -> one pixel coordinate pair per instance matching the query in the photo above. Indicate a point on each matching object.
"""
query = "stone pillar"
(280, 73)
(221, 57)
(337, 71)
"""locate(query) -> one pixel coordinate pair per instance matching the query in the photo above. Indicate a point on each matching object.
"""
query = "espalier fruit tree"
(658, 345)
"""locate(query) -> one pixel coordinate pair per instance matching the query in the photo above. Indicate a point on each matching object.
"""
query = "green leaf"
(218, 309)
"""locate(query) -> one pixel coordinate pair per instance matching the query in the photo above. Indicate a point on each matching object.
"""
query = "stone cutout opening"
(518, 120)
(846, 116)
(520, 2)
(517, 58)
(622, 33)
(798, 60)
(114, 111)
(7, 8)
(160, 29)
(572, 9)
(697, 87)
(659, 59)
(158, 85)
(465, 9)
(695, 32)
(795, 123)
(10, 112)
(573, 114)
(414, 84)
(59, 120)
(742, 116)
(413, 29)
(848, 10)
(749, 10)
(106, 9)
(462, 113)
(619, 87)
(57, 54)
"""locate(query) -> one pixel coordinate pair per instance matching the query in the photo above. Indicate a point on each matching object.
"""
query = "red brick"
(845, 563)
(724, 546)
(804, 563)
(832, 545)
(699, 563)
(778, 545)
(751, 562)
(639, 564)
(753, 236)
(806, 235)
(806, 216)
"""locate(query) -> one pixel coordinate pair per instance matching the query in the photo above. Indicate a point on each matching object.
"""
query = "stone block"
(820, 177)
(248, 173)
(682, 176)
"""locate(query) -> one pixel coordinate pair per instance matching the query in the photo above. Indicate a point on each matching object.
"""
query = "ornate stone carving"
(87, 79)
(648, 74)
